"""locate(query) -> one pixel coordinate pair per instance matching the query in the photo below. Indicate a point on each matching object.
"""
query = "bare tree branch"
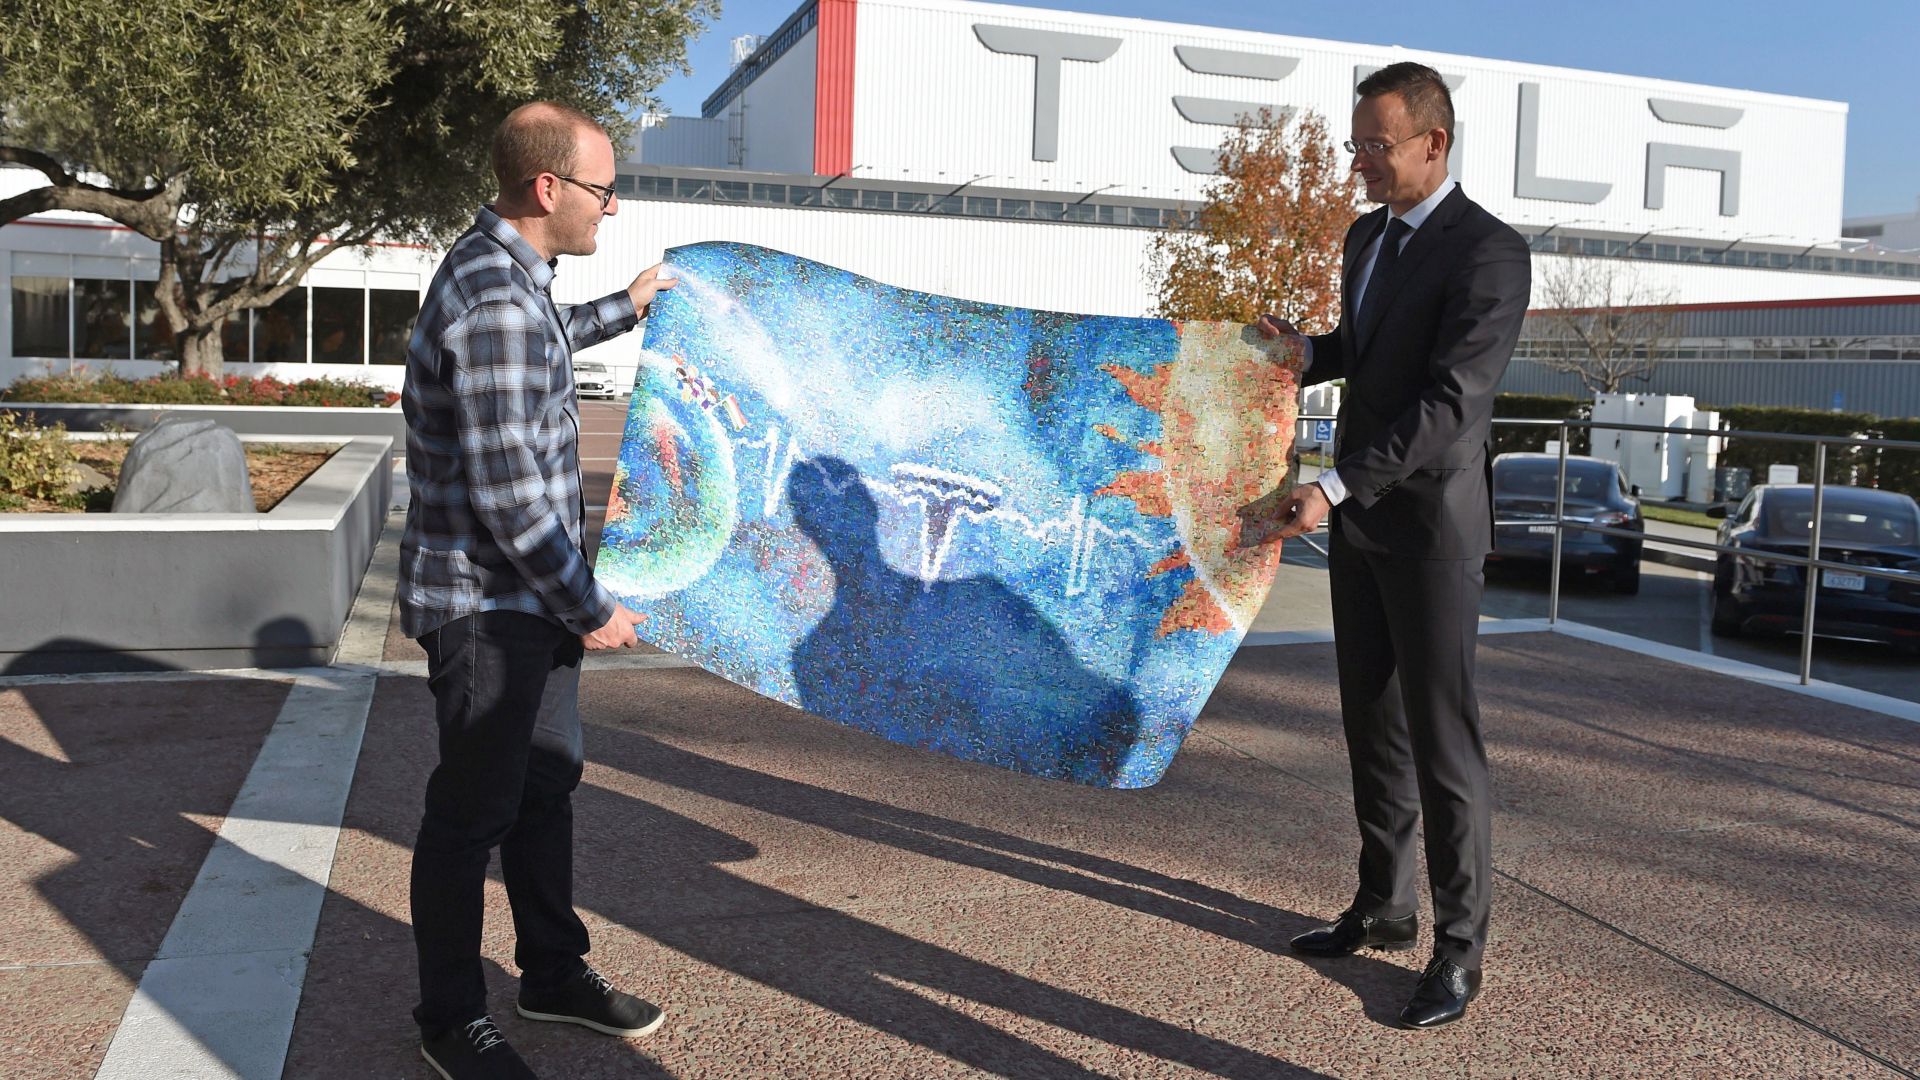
(150, 212)
(1601, 324)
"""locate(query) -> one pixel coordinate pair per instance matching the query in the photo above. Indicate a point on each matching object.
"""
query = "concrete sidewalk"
(1697, 876)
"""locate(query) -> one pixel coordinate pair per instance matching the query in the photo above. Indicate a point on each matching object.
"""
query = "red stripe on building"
(833, 90)
(1753, 305)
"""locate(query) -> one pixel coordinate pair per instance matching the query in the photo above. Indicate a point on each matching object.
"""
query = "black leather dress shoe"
(1353, 931)
(1442, 996)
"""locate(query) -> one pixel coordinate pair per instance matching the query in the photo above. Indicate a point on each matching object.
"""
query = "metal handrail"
(1714, 433)
(1812, 560)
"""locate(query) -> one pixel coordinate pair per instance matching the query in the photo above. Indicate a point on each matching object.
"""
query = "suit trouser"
(1405, 631)
(510, 757)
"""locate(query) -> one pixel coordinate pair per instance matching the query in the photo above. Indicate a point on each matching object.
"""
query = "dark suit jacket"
(1414, 443)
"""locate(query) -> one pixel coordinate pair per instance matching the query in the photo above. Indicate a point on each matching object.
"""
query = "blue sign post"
(1323, 431)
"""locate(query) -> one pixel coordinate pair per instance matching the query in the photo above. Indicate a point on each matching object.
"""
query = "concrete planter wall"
(115, 592)
(289, 420)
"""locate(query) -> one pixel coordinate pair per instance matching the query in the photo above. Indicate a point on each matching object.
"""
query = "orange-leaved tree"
(1267, 238)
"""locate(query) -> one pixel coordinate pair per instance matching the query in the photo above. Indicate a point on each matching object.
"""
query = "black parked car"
(1859, 526)
(1596, 494)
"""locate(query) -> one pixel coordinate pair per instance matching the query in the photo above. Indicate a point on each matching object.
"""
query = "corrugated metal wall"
(1083, 268)
(1840, 320)
(1887, 388)
(683, 140)
(1078, 268)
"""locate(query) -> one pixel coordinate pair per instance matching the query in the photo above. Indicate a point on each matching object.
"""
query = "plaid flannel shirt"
(496, 515)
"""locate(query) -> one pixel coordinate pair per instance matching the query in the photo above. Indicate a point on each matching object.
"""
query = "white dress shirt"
(1329, 480)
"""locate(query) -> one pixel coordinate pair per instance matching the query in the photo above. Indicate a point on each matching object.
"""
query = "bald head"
(541, 136)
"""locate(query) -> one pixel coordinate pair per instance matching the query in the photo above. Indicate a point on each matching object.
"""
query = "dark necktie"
(1383, 264)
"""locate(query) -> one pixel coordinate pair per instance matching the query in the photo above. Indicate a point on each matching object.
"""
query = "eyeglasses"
(604, 193)
(1374, 147)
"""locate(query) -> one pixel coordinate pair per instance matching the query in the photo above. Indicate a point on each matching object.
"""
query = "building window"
(102, 323)
(152, 333)
(770, 193)
(876, 200)
(41, 317)
(234, 336)
(280, 329)
(339, 325)
(390, 315)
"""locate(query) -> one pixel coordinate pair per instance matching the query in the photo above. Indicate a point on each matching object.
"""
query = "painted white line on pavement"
(219, 998)
(1740, 669)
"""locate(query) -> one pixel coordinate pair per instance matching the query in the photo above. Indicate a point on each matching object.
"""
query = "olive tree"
(252, 138)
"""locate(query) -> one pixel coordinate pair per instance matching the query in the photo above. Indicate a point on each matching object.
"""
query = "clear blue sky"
(1862, 52)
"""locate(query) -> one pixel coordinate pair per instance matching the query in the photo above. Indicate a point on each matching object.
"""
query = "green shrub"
(35, 462)
(107, 389)
(1509, 439)
(1894, 470)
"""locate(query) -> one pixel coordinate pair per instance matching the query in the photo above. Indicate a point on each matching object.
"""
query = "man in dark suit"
(1436, 289)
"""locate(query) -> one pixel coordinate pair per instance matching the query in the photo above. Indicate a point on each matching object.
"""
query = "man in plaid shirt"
(495, 585)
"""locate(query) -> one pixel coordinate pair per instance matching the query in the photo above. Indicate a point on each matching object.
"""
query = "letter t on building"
(1049, 48)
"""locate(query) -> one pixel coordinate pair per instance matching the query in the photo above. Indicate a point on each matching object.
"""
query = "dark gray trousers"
(507, 705)
(1405, 631)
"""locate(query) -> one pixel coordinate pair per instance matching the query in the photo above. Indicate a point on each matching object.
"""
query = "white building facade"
(1029, 157)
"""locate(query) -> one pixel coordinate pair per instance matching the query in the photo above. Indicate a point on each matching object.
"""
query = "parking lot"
(1673, 608)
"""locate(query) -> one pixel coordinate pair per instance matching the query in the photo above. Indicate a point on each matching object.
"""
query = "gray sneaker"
(474, 1051)
(589, 1000)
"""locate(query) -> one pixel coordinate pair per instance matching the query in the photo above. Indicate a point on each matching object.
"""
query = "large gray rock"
(181, 466)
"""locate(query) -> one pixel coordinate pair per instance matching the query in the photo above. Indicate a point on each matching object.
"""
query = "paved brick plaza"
(1698, 876)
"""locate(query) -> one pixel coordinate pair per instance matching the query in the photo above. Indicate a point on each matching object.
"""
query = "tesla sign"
(1054, 50)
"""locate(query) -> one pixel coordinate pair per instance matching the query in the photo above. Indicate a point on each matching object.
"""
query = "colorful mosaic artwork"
(1006, 535)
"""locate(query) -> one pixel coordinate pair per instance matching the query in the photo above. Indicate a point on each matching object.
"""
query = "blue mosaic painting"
(1001, 534)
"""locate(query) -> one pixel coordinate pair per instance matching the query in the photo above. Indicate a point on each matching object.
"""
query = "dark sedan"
(1596, 494)
(1858, 526)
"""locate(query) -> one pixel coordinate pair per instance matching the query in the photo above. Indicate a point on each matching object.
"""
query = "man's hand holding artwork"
(1274, 326)
(617, 633)
(1283, 515)
(652, 281)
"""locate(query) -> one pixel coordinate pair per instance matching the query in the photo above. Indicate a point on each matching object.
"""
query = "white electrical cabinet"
(1663, 465)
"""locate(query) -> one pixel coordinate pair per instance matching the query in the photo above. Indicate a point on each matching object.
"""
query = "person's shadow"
(109, 785)
(967, 667)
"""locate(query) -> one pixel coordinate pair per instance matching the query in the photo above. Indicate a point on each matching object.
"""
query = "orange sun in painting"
(1227, 403)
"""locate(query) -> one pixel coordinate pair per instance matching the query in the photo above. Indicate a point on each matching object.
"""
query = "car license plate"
(1836, 579)
(1548, 529)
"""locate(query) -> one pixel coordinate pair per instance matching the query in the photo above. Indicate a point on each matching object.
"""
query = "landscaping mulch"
(274, 468)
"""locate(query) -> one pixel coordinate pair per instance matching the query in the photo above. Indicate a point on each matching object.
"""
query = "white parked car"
(592, 379)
